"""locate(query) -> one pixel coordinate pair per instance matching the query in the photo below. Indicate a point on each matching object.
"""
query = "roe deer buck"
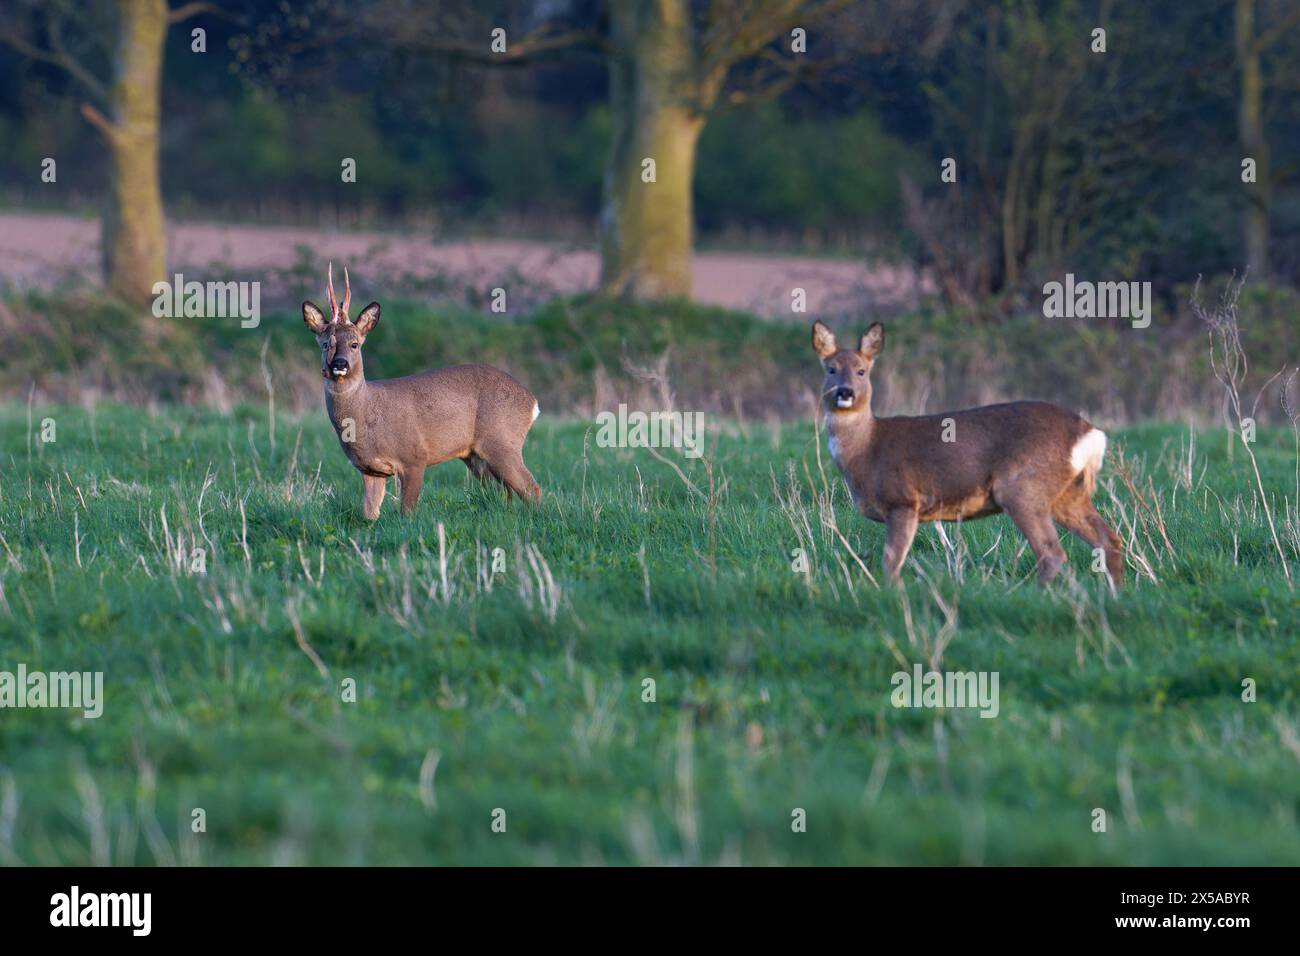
(1034, 461)
(401, 426)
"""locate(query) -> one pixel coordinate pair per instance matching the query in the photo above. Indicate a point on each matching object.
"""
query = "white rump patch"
(1088, 451)
(537, 410)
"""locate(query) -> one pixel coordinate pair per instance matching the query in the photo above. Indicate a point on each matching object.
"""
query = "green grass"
(773, 688)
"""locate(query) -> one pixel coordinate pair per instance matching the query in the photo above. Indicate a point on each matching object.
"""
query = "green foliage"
(570, 349)
(762, 167)
(1123, 164)
(559, 350)
(265, 146)
(564, 179)
(757, 168)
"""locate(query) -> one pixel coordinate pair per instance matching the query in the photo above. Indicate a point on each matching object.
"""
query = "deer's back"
(440, 414)
(907, 462)
(457, 389)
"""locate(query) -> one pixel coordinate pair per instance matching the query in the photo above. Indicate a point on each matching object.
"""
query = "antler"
(337, 312)
(334, 302)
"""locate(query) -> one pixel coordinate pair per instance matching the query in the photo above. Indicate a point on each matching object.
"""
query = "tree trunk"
(655, 99)
(1250, 133)
(134, 243)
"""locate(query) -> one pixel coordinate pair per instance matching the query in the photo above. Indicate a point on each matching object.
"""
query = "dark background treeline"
(817, 126)
(1126, 163)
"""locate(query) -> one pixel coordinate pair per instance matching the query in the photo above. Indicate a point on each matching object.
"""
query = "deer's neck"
(345, 400)
(849, 434)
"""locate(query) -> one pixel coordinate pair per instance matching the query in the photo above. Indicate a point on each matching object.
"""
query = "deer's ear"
(873, 342)
(823, 340)
(314, 318)
(368, 318)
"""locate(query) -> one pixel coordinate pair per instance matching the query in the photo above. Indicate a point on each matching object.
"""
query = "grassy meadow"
(521, 687)
(643, 206)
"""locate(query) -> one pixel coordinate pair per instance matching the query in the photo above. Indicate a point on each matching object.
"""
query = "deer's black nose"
(339, 364)
(843, 394)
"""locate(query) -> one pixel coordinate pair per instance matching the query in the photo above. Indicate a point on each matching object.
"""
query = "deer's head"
(847, 385)
(340, 338)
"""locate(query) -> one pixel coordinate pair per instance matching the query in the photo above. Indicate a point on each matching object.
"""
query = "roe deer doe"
(400, 426)
(1034, 461)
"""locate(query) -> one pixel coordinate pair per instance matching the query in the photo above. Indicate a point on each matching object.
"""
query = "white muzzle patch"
(843, 402)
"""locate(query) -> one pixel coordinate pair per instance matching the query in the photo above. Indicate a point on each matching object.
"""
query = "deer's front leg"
(411, 480)
(900, 529)
(374, 496)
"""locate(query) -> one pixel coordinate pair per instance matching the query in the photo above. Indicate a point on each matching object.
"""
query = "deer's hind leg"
(477, 467)
(506, 463)
(1075, 512)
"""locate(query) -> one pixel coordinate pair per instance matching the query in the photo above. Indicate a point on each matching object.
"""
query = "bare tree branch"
(187, 10)
(57, 55)
(782, 75)
(1270, 36)
(518, 51)
(550, 36)
(746, 31)
(87, 79)
(738, 31)
(98, 120)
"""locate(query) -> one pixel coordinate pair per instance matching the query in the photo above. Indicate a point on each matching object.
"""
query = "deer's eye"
(831, 369)
(861, 372)
(354, 345)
